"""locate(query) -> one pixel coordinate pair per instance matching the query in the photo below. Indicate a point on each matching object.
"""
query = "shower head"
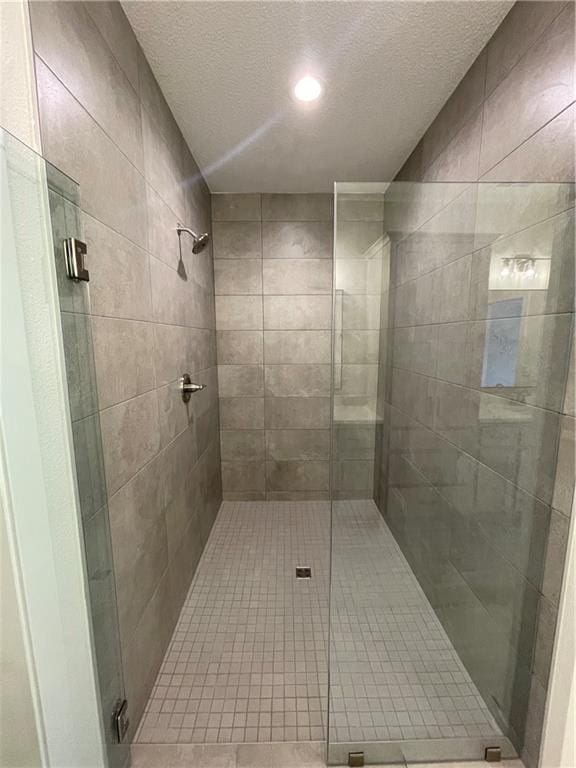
(200, 241)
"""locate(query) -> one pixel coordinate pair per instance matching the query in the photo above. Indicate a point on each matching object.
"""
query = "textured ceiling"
(226, 69)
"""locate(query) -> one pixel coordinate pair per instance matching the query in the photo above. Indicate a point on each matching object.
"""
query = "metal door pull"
(74, 252)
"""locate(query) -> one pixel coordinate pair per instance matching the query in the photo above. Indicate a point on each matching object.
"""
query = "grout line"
(523, 56)
(522, 143)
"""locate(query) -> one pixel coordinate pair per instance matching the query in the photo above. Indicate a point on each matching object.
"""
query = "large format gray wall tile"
(459, 160)
(297, 346)
(238, 313)
(297, 413)
(238, 276)
(297, 475)
(236, 207)
(304, 207)
(242, 445)
(237, 239)
(162, 222)
(297, 240)
(75, 143)
(242, 412)
(243, 476)
(273, 307)
(459, 108)
(120, 286)
(164, 170)
(295, 444)
(124, 365)
(546, 156)
(178, 349)
(302, 276)
(515, 36)
(130, 438)
(174, 416)
(538, 88)
(106, 124)
(240, 381)
(149, 642)
(297, 312)
(239, 347)
(118, 34)
(297, 380)
(96, 80)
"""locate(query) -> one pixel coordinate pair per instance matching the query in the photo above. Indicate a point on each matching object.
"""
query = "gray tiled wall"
(477, 481)
(105, 123)
(273, 281)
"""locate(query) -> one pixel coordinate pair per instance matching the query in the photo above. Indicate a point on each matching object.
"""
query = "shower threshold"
(281, 755)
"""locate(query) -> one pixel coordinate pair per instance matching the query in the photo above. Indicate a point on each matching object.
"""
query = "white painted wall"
(559, 741)
(20, 744)
(18, 103)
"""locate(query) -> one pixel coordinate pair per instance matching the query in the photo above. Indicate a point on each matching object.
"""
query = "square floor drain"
(303, 572)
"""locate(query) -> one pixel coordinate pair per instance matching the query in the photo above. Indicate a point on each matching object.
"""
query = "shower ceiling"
(227, 70)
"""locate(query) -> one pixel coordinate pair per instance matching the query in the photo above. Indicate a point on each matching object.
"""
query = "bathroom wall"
(273, 279)
(18, 109)
(104, 122)
(19, 739)
(476, 480)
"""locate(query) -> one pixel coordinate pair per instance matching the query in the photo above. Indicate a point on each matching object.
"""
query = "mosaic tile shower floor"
(248, 661)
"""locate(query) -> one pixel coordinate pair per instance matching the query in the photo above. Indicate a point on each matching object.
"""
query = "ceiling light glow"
(307, 89)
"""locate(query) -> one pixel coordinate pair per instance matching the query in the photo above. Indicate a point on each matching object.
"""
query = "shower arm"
(180, 229)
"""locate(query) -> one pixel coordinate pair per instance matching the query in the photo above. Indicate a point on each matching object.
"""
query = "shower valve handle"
(187, 387)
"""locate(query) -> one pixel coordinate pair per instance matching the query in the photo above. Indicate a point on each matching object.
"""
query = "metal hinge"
(120, 720)
(74, 252)
(303, 572)
(493, 754)
(355, 759)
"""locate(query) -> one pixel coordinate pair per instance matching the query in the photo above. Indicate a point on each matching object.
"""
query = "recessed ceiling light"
(307, 89)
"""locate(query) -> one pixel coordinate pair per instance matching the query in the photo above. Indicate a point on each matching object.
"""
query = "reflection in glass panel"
(501, 346)
(453, 324)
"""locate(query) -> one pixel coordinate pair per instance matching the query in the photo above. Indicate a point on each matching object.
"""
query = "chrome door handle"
(187, 387)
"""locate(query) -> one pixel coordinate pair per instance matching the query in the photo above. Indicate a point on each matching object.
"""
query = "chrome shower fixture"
(200, 241)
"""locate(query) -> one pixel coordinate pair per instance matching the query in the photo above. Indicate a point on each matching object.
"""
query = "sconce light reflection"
(518, 267)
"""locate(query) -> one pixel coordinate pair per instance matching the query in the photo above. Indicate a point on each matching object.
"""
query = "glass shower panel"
(361, 276)
(74, 297)
(453, 328)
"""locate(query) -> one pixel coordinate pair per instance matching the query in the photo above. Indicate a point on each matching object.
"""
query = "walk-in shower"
(428, 544)
(289, 474)
(419, 419)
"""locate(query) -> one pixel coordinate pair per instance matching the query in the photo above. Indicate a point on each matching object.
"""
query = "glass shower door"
(453, 325)
(74, 298)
